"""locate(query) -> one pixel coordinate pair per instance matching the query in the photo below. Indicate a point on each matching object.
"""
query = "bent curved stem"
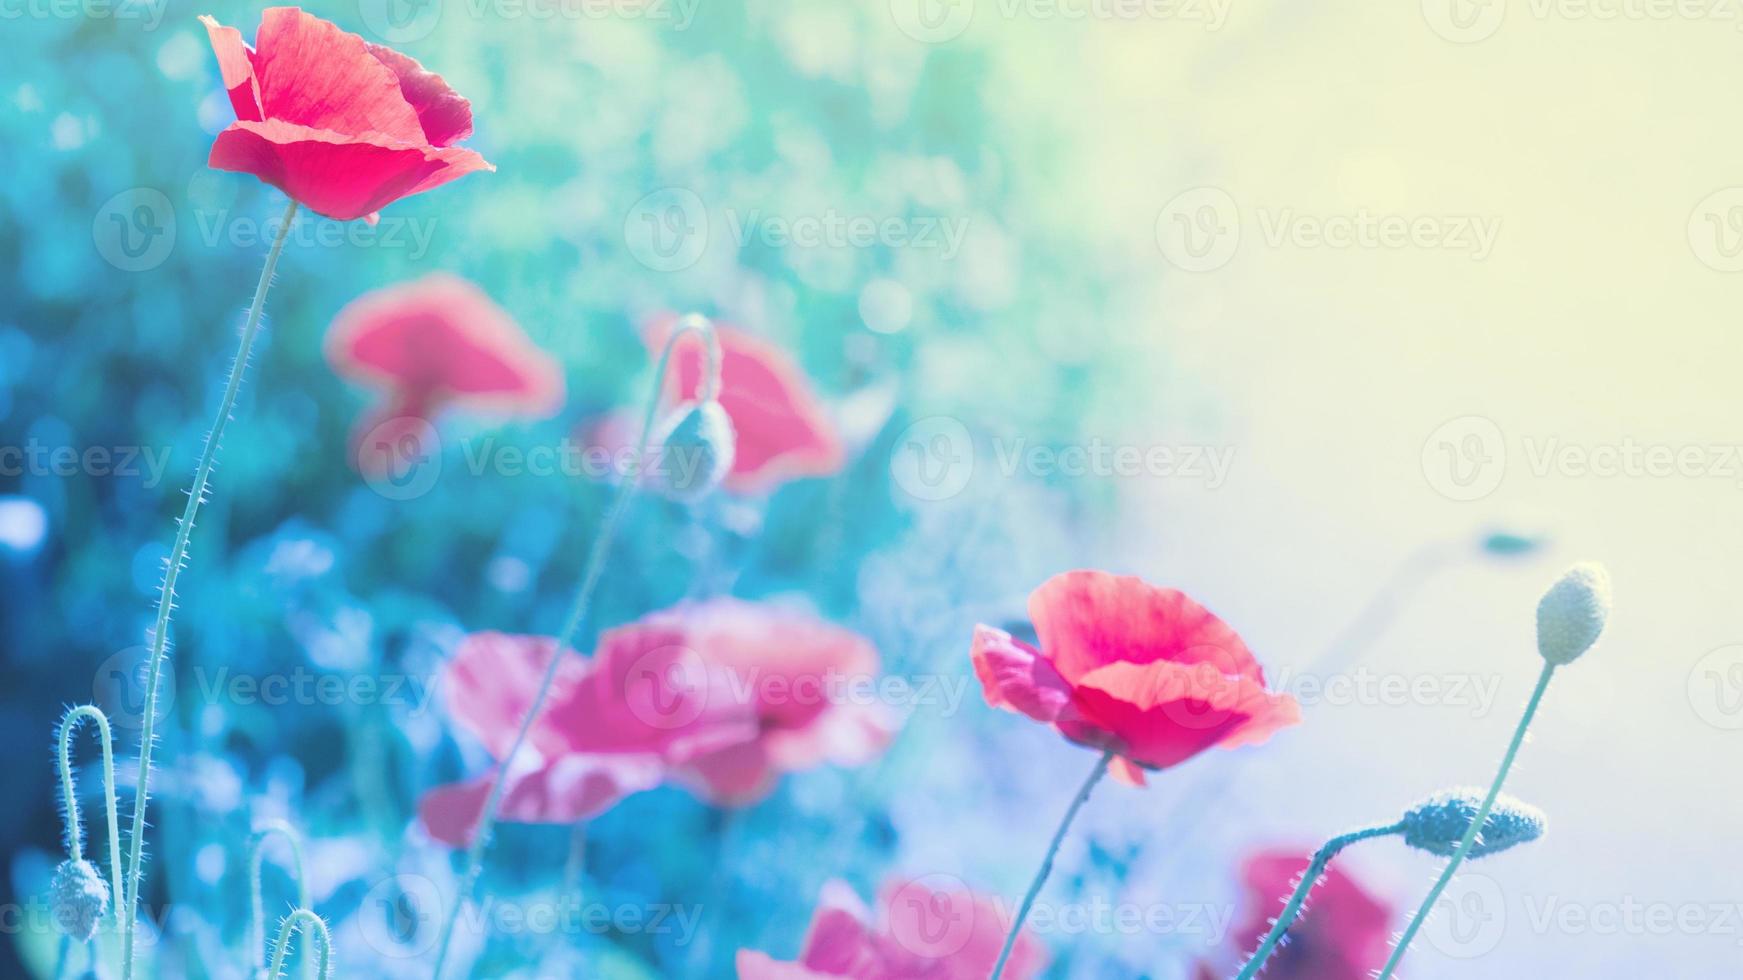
(1095, 775)
(309, 924)
(578, 610)
(75, 831)
(1309, 878)
(178, 557)
(256, 857)
(1477, 822)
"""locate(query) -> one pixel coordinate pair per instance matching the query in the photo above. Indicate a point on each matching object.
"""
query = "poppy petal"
(1087, 619)
(1016, 677)
(569, 789)
(314, 74)
(236, 66)
(446, 116)
(338, 176)
(1164, 713)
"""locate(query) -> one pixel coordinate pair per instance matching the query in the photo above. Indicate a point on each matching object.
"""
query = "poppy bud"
(78, 898)
(1439, 823)
(1572, 613)
(697, 445)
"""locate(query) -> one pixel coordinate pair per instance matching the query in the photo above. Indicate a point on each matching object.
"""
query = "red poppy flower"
(433, 343)
(594, 743)
(342, 126)
(1345, 932)
(926, 929)
(1125, 666)
(802, 684)
(784, 432)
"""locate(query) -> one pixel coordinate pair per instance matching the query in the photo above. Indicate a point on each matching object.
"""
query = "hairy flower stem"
(309, 924)
(1095, 775)
(75, 831)
(1309, 878)
(178, 557)
(1477, 822)
(578, 610)
(257, 901)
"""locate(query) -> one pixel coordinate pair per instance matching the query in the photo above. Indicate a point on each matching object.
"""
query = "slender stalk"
(1095, 775)
(257, 901)
(1482, 817)
(75, 832)
(578, 610)
(309, 924)
(178, 557)
(1309, 878)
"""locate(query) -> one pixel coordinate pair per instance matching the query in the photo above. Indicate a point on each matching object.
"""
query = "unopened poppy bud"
(1439, 823)
(78, 897)
(1572, 613)
(697, 445)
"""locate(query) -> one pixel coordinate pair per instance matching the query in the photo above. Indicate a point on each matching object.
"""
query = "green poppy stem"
(178, 557)
(578, 610)
(1309, 878)
(1095, 776)
(1482, 816)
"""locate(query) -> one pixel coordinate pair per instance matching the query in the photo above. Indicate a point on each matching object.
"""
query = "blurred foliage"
(788, 110)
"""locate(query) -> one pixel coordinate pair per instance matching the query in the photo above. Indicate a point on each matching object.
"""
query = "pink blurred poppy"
(1125, 666)
(784, 430)
(343, 126)
(606, 731)
(804, 683)
(926, 929)
(1345, 933)
(430, 344)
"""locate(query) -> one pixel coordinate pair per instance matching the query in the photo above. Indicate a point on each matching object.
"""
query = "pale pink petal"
(753, 965)
(236, 66)
(784, 432)
(650, 691)
(441, 338)
(567, 790)
(736, 776)
(491, 681)
(1127, 771)
(1015, 676)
